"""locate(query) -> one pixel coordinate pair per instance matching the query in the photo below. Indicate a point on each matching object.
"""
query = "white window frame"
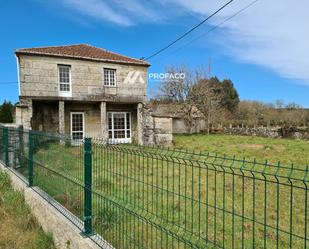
(76, 141)
(120, 140)
(109, 78)
(65, 93)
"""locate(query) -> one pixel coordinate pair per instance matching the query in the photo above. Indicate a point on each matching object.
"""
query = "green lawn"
(286, 151)
(18, 228)
(195, 197)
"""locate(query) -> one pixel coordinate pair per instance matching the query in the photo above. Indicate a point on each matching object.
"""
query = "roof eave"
(18, 52)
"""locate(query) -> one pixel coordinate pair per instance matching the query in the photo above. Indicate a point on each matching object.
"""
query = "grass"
(18, 228)
(193, 197)
(286, 151)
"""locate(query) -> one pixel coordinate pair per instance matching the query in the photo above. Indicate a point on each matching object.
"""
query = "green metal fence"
(150, 197)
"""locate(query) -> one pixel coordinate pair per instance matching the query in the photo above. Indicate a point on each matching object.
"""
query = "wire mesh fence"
(151, 197)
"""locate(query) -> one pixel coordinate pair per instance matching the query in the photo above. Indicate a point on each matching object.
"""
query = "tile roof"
(82, 51)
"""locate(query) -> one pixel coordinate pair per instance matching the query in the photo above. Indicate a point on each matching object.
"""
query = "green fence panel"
(88, 187)
(151, 197)
(30, 159)
(6, 146)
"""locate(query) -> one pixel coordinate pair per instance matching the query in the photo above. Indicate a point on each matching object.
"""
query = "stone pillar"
(30, 114)
(61, 118)
(103, 121)
(24, 112)
(140, 123)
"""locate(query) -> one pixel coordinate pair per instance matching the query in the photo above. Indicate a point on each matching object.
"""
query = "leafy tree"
(231, 98)
(6, 112)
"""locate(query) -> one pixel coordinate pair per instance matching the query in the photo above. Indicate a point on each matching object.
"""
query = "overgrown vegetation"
(18, 228)
(255, 113)
(218, 103)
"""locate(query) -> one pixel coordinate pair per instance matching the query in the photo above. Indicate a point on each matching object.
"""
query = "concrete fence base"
(66, 235)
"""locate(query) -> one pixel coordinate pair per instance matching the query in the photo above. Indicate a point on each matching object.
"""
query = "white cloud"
(123, 13)
(142, 10)
(97, 9)
(273, 34)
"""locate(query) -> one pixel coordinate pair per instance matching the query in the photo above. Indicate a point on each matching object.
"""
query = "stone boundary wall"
(268, 132)
(156, 130)
(65, 234)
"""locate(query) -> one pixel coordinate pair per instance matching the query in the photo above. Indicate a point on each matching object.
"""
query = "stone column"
(61, 118)
(140, 123)
(26, 113)
(103, 121)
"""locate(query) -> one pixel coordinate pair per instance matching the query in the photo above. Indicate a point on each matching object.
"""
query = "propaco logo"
(134, 77)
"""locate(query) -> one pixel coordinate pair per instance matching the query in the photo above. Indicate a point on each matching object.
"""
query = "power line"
(189, 31)
(193, 40)
(215, 27)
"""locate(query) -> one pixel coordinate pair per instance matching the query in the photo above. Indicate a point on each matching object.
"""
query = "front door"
(77, 126)
(119, 127)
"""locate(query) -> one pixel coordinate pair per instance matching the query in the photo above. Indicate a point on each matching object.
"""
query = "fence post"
(30, 160)
(21, 146)
(87, 187)
(6, 146)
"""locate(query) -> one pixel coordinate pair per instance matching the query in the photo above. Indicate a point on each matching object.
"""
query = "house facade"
(81, 90)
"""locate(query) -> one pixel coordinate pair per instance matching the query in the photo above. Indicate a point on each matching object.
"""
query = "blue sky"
(264, 50)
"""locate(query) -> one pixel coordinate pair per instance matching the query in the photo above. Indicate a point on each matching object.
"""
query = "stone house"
(82, 90)
(178, 115)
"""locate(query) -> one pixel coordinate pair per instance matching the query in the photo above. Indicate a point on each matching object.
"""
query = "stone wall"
(23, 112)
(156, 130)
(180, 126)
(163, 130)
(39, 77)
(269, 132)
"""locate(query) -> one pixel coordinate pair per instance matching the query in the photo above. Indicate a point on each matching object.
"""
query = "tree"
(216, 100)
(174, 89)
(279, 104)
(178, 89)
(252, 113)
(207, 96)
(231, 98)
(6, 112)
(293, 115)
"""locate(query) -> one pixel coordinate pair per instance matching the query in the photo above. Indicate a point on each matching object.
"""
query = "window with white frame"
(109, 77)
(64, 79)
(119, 126)
(77, 125)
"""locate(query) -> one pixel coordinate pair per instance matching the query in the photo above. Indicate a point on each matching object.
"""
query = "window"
(77, 125)
(64, 80)
(109, 77)
(119, 127)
